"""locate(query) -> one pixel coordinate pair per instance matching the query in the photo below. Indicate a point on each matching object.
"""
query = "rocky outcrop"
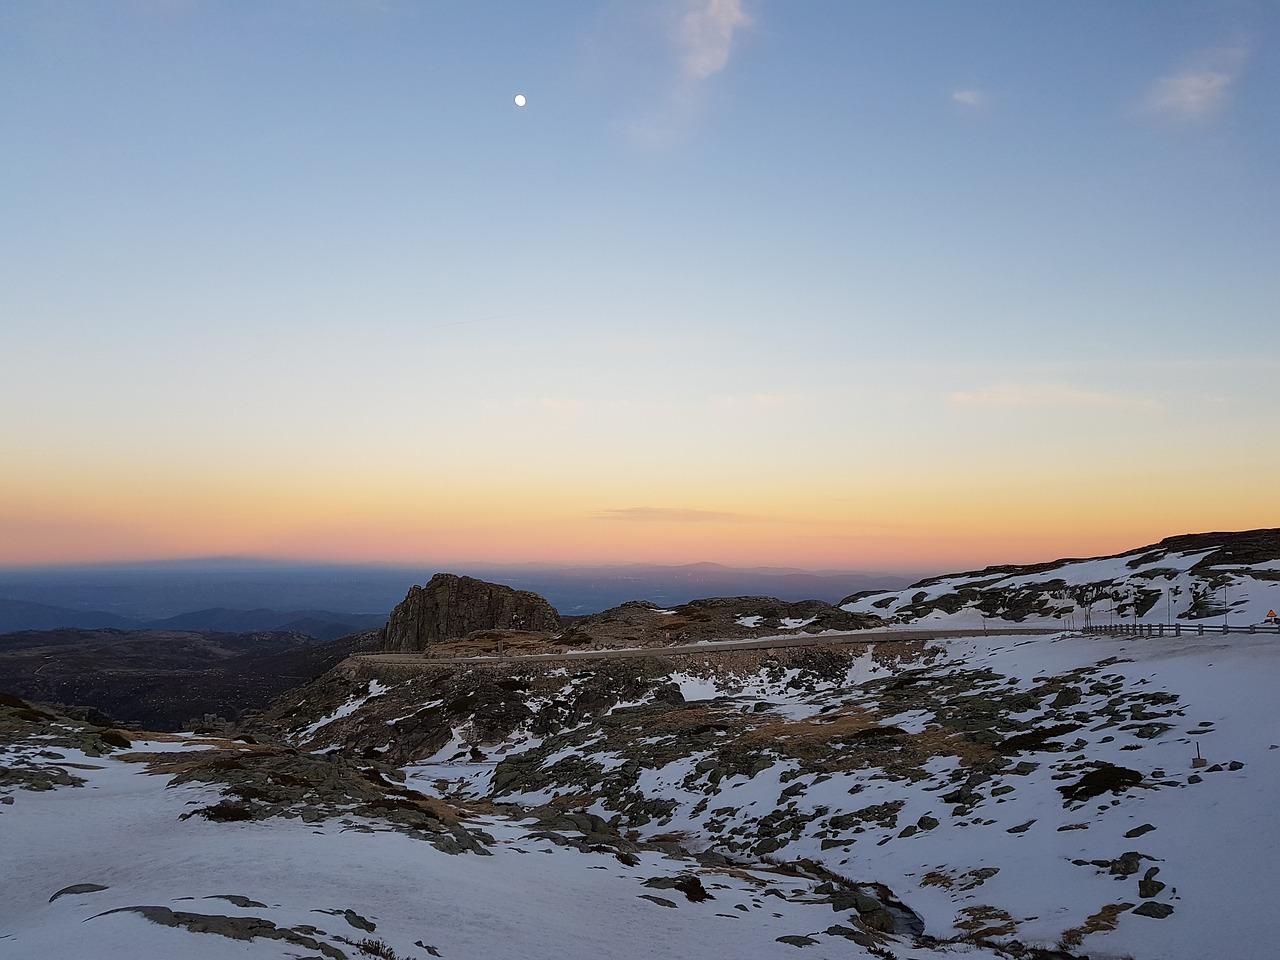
(450, 606)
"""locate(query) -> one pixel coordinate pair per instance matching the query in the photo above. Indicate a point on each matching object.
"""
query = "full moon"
(520, 100)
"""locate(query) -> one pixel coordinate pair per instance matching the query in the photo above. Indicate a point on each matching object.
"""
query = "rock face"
(450, 606)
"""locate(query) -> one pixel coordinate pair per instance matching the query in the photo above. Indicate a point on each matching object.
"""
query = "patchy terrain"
(1217, 578)
(164, 679)
(1009, 796)
(1050, 795)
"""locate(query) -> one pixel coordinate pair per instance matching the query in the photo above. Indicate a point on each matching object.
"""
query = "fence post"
(1200, 629)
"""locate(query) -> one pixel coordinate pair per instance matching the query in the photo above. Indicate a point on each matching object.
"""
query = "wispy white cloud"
(1013, 395)
(547, 405)
(670, 515)
(736, 403)
(706, 36)
(971, 99)
(702, 37)
(1199, 92)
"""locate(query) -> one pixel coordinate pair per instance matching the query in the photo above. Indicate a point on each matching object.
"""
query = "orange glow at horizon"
(898, 517)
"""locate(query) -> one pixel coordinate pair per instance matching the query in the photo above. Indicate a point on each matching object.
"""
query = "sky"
(836, 285)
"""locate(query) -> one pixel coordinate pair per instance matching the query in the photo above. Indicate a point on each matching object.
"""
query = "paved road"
(720, 646)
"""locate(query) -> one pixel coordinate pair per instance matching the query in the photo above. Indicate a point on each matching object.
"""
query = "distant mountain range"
(327, 601)
(17, 615)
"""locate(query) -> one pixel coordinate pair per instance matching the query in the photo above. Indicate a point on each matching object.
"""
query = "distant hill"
(164, 679)
(24, 615)
(321, 624)
(1193, 577)
(20, 615)
(240, 595)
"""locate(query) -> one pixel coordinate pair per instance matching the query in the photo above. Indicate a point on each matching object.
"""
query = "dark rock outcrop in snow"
(450, 606)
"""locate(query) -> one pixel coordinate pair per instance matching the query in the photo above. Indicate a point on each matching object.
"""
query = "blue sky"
(855, 284)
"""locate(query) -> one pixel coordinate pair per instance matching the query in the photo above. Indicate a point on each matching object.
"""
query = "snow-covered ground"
(122, 832)
(1167, 588)
(1017, 853)
(1045, 863)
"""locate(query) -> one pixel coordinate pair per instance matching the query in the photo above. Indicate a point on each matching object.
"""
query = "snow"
(376, 689)
(530, 899)
(1249, 593)
(1216, 841)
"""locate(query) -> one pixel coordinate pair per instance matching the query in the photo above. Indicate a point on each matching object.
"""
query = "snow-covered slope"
(110, 864)
(1215, 577)
(1001, 792)
(1042, 796)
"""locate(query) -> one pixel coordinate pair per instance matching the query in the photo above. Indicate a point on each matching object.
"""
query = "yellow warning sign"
(1271, 614)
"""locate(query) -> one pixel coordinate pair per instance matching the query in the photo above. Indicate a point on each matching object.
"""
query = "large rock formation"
(450, 606)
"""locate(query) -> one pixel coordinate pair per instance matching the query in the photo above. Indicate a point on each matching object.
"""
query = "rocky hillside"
(1020, 796)
(450, 607)
(994, 793)
(458, 616)
(165, 679)
(1187, 579)
(1035, 796)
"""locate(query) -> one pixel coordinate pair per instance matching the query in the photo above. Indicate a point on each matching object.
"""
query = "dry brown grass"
(963, 881)
(691, 719)
(1104, 921)
(848, 721)
(227, 754)
(937, 741)
(812, 737)
(982, 922)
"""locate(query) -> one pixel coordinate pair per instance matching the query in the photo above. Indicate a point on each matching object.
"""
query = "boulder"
(450, 606)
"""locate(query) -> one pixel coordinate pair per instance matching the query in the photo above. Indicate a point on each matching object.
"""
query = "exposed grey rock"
(235, 928)
(688, 884)
(1151, 908)
(1149, 886)
(77, 888)
(1126, 864)
(660, 901)
(849, 933)
(238, 900)
(450, 606)
(797, 941)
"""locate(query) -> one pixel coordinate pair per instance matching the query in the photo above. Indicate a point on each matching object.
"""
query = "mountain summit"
(1233, 577)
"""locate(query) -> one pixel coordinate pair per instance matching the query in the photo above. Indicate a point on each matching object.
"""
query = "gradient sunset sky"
(842, 285)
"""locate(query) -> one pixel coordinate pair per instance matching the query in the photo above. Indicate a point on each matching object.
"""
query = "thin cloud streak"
(703, 41)
(1017, 395)
(671, 515)
(706, 36)
(1199, 93)
(736, 403)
